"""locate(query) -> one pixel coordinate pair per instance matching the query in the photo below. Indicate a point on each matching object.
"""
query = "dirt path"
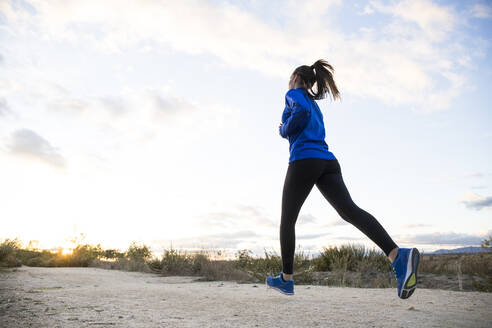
(92, 297)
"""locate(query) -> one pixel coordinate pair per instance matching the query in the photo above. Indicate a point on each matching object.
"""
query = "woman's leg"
(300, 179)
(331, 185)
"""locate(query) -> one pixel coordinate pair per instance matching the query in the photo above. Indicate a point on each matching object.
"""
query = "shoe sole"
(278, 289)
(411, 279)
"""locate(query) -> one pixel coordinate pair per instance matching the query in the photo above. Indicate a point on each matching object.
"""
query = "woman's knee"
(348, 211)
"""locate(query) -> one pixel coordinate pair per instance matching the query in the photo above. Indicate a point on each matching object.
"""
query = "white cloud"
(227, 240)
(408, 65)
(444, 238)
(481, 11)
(134, 112)
(475, 201)
(312, 235)
(25, 142)
(367, 10)
(237, 216)
(416, 225)
(479, 187)
(307, 218)
(423, 57)
(434, 20)
(473, 174)
(4, 108)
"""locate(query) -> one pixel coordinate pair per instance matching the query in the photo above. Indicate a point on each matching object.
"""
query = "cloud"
(137, 113)
(224, 239)
(25, 142)
(312, 236)
(481, 11)
(307, 218)
(419, 44)
(475, 201)
(69, 104)
(165, 106)
(367, 10)
(443, 238)
(4, 108)
(337, 223)
(115, 105)
(473, 175)
(416, 225)
(405, 61)
(434, 20)
(171, 104)
(2, 59)
(311, 219)
(239, 215)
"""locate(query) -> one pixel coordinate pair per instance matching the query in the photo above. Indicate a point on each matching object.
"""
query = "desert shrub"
(46, 258)
(244, 260)
(350, 258)
(136, 258)
(138, 253)
(200, 264)
(176, 262)
(485, 285)
(112, 254)
(487, 244)
(271, 263)
(223, 270)
(8, 253)
(475, 264)
(83, 255)
(124, 263)
(482, 285)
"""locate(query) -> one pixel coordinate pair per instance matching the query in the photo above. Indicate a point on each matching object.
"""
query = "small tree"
(112, 254)
(138, 253)
(8, 252)
(83, 255)
(487, 244)
(244, 259)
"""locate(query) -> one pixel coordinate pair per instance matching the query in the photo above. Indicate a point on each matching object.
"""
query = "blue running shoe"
(405, 268)
(277, 283)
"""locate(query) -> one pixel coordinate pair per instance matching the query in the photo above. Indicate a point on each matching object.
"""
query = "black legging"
(301, 176)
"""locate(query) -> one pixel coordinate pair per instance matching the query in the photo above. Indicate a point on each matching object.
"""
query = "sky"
(157, 121)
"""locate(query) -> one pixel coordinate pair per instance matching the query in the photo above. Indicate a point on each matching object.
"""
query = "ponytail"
(321, 74)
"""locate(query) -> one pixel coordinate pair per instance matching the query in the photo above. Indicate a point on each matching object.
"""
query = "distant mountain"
(470, 249)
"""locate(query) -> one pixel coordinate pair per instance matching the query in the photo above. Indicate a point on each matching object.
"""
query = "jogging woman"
(311, 163)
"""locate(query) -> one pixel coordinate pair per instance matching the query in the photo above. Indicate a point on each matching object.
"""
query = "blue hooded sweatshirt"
(302, 125)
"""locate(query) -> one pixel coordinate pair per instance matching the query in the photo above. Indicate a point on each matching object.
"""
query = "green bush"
(177, 262)
(8, 253)
(271, 263)
(350, 258)
(138, 253)
(112, 254)
(486, 285)
(487, 244)
(84, 255)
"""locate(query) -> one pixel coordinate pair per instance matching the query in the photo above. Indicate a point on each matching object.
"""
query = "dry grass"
(346, 265)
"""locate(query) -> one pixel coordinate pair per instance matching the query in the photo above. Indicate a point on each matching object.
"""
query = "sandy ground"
(89, 297)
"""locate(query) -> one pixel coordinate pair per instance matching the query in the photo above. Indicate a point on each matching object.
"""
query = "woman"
(311, 163)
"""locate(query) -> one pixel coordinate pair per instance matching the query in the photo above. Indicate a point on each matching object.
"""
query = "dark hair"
(320, 73)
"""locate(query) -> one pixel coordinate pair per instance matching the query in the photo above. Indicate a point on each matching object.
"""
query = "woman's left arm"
(299, 115)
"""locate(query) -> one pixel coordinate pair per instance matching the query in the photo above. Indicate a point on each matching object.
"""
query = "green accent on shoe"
(411, 281)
